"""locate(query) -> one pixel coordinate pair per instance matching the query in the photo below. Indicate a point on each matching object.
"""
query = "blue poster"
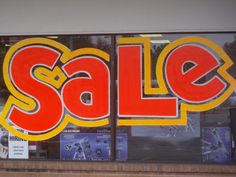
(121, 146)
(85, 146)
(216, 144)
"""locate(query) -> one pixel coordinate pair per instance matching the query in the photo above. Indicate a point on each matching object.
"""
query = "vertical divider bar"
(113, 107)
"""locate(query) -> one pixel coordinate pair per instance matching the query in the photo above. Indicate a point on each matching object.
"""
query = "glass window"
(208, 136)
(74, 142)
(166, 97)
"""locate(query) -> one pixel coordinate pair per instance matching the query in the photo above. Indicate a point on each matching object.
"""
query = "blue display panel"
(216, 144)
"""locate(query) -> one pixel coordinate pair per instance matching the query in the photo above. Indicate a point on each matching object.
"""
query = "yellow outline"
(162, 87)
(71, 56)
(47, 76)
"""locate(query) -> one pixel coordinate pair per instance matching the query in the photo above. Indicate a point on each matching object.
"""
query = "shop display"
(216, 144)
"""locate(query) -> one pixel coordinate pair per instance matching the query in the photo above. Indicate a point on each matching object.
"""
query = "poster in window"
(121, 146)
(3, 143)
(216, 144)
(84, 146)
(18, 148)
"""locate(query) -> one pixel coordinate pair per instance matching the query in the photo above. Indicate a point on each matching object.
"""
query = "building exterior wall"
(110, 16)
(110, 169)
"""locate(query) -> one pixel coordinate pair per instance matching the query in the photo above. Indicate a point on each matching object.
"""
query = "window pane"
(208, 136)
(74, 142)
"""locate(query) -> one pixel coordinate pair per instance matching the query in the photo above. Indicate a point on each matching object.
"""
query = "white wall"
(115, 16)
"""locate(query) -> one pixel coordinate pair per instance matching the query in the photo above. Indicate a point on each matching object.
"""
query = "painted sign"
(48, 83)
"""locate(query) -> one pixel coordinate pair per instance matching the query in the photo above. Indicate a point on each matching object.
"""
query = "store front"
(132, 97)
(121, 103)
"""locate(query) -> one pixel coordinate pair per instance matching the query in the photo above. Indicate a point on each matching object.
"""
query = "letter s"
(36, 106)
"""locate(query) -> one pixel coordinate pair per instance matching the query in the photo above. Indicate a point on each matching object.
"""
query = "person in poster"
(84, 146)
(78, 151)
(3, 144)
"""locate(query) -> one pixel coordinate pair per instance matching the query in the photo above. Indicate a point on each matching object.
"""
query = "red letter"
(183, 83)
(48, 111)
(96, 84)
(131, 101)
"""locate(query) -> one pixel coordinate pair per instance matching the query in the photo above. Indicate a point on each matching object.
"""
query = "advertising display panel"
(18, 148)
(85, 146)
(216, 144)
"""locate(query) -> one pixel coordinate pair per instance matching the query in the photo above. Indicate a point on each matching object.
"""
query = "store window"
(74, 142)
(208, 136)
(155, 97)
